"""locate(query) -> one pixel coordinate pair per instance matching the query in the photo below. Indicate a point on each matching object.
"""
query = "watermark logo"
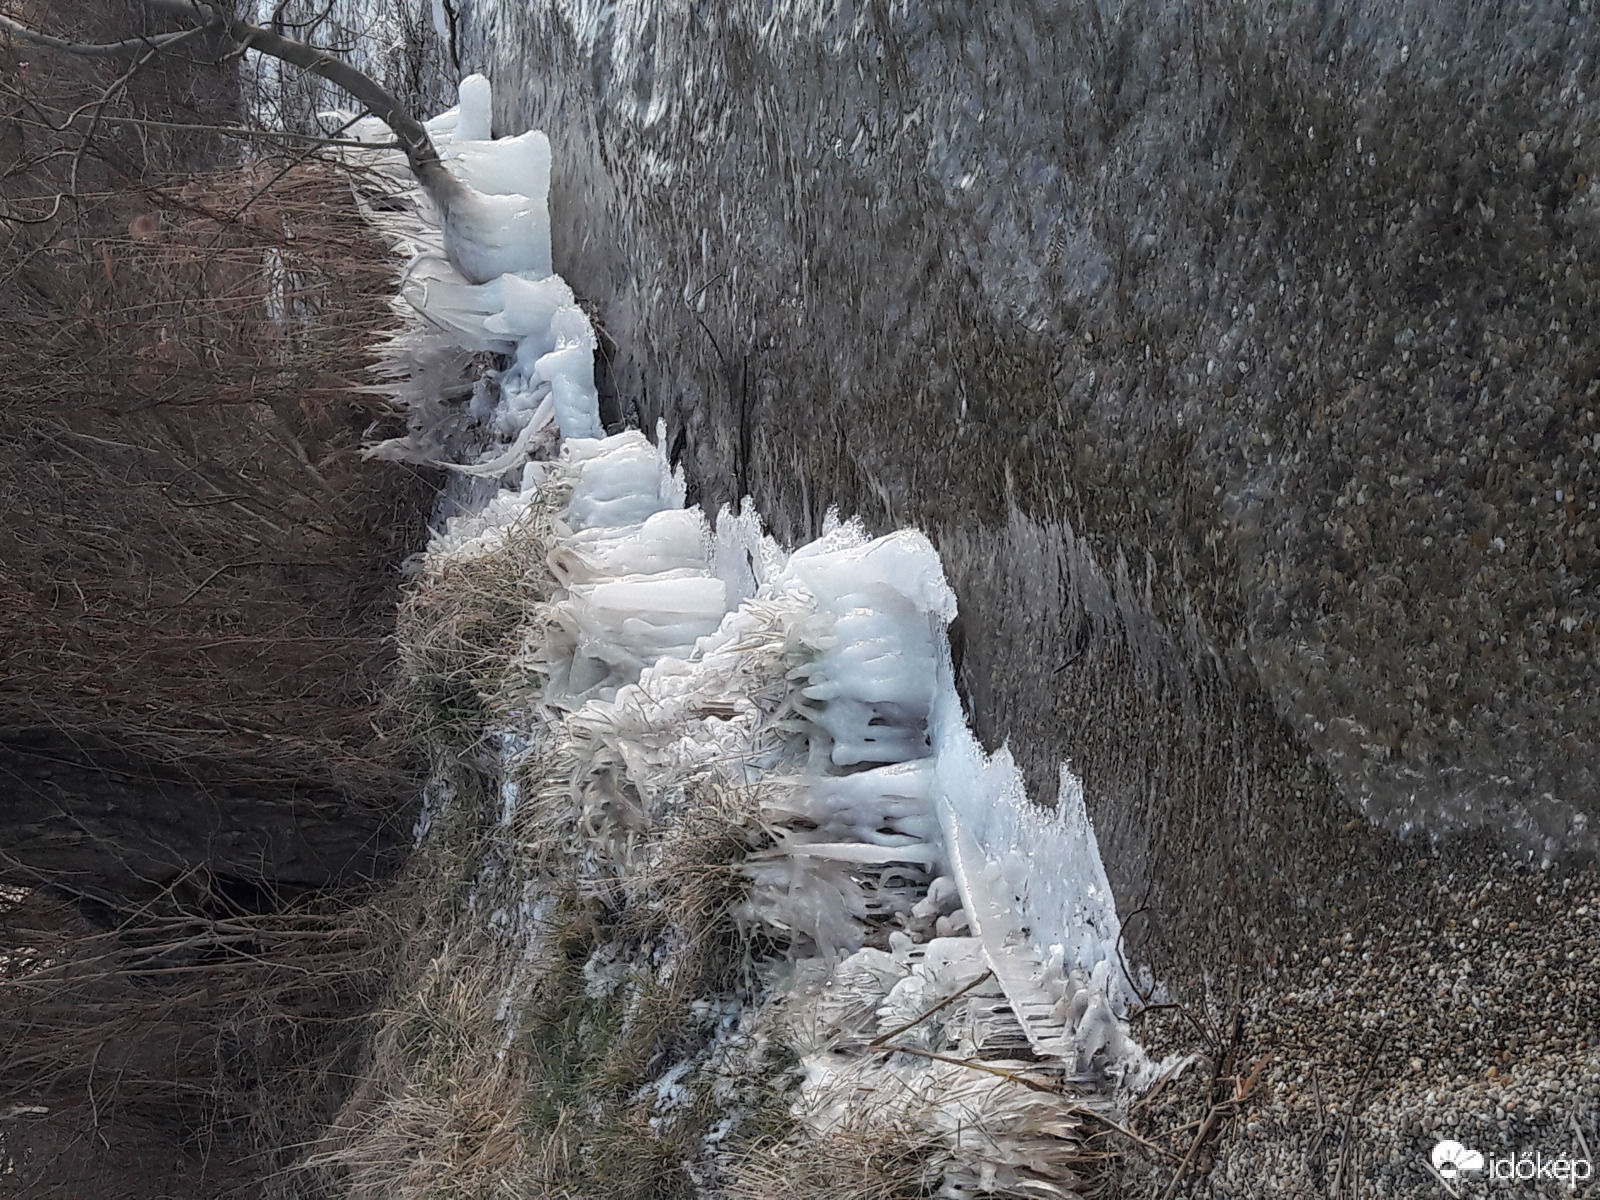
(1452, 1160)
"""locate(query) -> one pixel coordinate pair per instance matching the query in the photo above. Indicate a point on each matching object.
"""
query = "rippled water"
(1239, 361)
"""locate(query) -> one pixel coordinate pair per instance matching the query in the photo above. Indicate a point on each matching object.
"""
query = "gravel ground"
(1474, 1017)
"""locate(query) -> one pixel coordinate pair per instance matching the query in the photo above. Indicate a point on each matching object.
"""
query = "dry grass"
(198, 563)
(869, 1165)
(438, 1114)
(195, 609)
(557, 1102)
(560, 1101)
(229, 1037)
(454, 1109)
(458, 631)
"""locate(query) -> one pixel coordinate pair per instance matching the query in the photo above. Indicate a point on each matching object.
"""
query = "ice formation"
(478, 278)
(903, 866)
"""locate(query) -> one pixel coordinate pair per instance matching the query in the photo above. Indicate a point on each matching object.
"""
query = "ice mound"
(745, 557)
(486, 236)
(491, 201)
(511, 166)
(570, 370)
(527, 307)
(493, 205)
(635, 568)
(672, 539)
(616, 481)
(607, 633)
(716, 717)
(871, 686)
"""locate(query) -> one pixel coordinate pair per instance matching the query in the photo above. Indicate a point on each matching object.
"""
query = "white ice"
(470, 118)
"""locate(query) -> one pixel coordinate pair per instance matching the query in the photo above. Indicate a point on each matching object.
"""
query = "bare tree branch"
(218, 17)
(99, 108)
(238, 131)
(103, 49)
(409, 132)
(44, 220)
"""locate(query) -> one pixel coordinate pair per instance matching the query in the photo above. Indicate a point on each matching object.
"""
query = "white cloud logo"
(1452, 1160)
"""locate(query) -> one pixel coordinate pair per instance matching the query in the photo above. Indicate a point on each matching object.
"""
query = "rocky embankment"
(1470, 1019)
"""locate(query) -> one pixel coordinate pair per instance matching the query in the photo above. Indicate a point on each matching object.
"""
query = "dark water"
(1241, 360)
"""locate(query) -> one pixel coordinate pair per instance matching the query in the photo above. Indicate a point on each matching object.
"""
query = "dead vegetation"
(179, 1052)
(526, 1046)
(198, 569)
(197, 581)
(198, 564)
(529, 1062)
(457, 630)
(842, 1166)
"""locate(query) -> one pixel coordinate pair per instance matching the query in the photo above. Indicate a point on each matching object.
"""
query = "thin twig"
(915, 1021)
(229, 130)
(163, 41)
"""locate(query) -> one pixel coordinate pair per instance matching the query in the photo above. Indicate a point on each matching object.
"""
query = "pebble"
(1482, 1028)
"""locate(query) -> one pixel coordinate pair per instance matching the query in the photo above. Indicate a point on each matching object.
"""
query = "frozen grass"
(710, 831)
(866, 1165)
(557, 1097)
(458, 628)
(559, 1031)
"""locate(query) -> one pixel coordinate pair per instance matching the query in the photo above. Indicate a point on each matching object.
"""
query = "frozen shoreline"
(923, 900)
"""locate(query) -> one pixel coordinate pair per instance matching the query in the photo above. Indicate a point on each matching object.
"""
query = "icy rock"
(570, 370)
(510, 166)
(942, 898)
(955, 924)
(616, 481)
(486, 236)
